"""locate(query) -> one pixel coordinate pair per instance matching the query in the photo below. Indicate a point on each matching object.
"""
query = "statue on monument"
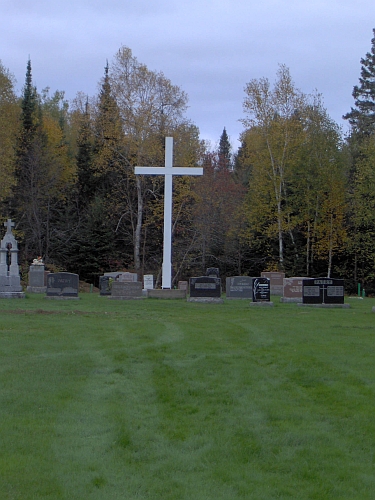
(10, 279)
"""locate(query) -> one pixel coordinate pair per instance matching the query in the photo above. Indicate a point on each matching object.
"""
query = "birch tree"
(273, 121)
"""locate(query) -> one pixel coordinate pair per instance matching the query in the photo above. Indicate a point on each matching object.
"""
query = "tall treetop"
(362, 117)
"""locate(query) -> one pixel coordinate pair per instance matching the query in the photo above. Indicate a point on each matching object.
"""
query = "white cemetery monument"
(168, 171)
(10, 279)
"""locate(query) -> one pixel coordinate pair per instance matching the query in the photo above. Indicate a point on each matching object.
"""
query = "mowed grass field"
(152, 399)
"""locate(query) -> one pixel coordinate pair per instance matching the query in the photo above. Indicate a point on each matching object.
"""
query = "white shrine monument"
(10, 280)
(168, 171)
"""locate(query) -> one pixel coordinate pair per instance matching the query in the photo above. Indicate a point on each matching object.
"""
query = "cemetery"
(180, 320)
(147, 379)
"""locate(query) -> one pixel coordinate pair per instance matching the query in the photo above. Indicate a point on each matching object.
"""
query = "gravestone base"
(326, 306)
(208, 300)
(373, 309)
(294, 300)
(36, 289)
(123, 297)
(12, 295)
(261, 304)
(61, 297)
(166, 293)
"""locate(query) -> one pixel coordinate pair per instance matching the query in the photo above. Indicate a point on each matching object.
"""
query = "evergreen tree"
(362, 117)
(84, 158)
(225, 151)
(108, 140)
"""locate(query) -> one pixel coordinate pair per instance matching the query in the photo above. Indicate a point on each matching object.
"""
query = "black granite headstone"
(261, 290)
(322, 291)
(62, 285)
(205, 286)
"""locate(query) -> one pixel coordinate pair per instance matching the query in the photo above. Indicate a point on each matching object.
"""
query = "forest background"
(298, 196)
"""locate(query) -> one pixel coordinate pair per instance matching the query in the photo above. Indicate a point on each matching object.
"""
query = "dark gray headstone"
(239, 287)
(205, 286)
(64, 285)
(105, 285)
(322, 291)
(261, 290)
(213, 272)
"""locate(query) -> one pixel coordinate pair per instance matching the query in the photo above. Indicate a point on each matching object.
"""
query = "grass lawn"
(156, 399)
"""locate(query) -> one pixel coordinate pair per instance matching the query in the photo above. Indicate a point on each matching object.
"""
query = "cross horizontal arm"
(169, 171)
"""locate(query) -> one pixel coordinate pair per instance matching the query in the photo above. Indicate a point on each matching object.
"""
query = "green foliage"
(9, 125)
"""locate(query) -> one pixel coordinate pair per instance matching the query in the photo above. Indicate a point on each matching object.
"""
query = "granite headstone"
(126, 290)
(323, 291)
(205, 287)
(276, 281)
(239, 287)
(63, 285)
(261, 290)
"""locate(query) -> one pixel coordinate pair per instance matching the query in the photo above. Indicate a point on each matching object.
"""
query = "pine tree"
(362, 117)
(225, 151)
(84, 157)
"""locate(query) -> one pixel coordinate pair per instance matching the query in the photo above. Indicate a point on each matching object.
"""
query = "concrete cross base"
(166, 293)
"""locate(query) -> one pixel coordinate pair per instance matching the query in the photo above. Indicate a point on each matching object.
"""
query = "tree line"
(298, 196)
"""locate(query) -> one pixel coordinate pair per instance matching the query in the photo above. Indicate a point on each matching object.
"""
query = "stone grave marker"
(105, 285)
(113, 274)
(205, 289)
(276, 281)
(126, 290)
(36, 279)
(322, 291)
(213, 272)
(239, 287)
(261, 289)
(10, 279)
(128, 277)
(148, 281)
(62, 285)
(183, 285)
(292, 289)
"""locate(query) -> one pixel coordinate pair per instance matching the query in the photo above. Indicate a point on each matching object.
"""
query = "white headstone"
(148, 282)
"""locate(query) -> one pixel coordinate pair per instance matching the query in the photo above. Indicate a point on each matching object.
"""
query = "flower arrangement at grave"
(38, 261)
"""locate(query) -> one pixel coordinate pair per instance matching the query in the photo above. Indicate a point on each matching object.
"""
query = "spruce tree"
(225, 151)
(362, 117)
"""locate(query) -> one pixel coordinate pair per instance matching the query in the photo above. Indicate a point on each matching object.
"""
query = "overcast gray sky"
(210, 48)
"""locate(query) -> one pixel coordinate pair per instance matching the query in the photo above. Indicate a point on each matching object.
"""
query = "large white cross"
(168, 171)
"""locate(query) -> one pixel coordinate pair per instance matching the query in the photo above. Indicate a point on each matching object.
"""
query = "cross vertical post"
(167, 243)
(168, 171)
